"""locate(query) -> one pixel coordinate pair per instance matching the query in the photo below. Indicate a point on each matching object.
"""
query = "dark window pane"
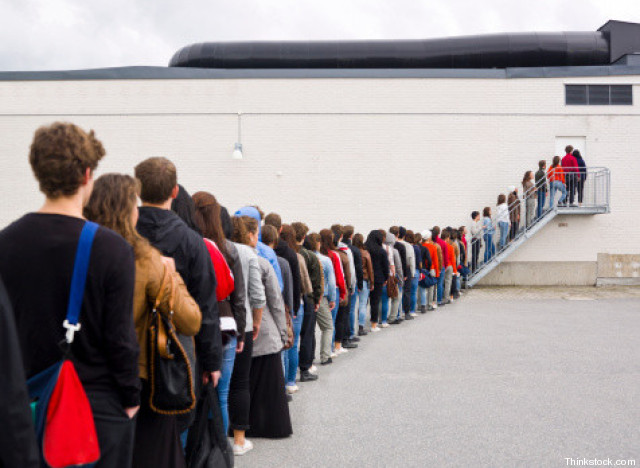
(621, 95)
(575, 94)
(598, 95)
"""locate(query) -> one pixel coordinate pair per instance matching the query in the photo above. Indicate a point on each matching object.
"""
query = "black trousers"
(580, 187)
(406, 295)
(475, 253)
(571, 187)
(240, 388)
(514, 229)
(115, 430)
(342, 321)
(374, 302)
(307, 335)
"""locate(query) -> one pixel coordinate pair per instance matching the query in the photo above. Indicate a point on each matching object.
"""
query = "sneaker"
(408, 317)
(239, 450)
(375, 330)
(333, 354)
(306, 376)
(348, 345)
(430, 308)
(313, 369)
(291, 389)
(328, 361)
(434, 306)
(395, 322)
(383, 325)
(342, 351)
(413, 314)
(354, 339)
(362, 332)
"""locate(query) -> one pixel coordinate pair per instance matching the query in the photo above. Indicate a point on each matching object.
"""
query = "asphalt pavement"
(497, 379)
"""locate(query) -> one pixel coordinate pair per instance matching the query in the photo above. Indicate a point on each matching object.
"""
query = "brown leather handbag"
(392, 287)
(169, 369)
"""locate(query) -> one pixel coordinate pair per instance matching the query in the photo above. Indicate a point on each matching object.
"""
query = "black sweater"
(283, 250)
(169, 234)
(37, 255)
(357, 262)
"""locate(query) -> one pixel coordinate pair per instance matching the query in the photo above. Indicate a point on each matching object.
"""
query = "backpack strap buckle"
(71, 329)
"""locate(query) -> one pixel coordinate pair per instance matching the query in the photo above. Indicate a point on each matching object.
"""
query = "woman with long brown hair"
(555, 174)
(232, 310)
(113, 204)
(367, 282)
(529, 192)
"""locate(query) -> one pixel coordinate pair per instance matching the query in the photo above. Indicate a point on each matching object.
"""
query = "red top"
(445, 251)
(451, 257)
(569, 163)
(337, 267)
(433, 252)
(556, 173)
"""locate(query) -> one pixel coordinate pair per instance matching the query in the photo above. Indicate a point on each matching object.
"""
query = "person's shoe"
(313, 369)
(412, 314)
(375, 330)
(429, 309)
(354, 339)
(327, 362)
(289, 398)
(349, 345)
(434, 306)
(342, 351)
(306, 376)
(291, 389)
(408, 317)
(239, 450)
(333, 354)
(383, 325)
(394, 322)
(362, 332)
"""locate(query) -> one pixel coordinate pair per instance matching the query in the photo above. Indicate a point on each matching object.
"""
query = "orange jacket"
(433, 251)
(451, 260)
(556, 173)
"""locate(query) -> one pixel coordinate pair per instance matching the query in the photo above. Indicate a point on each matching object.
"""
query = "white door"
(578, 142)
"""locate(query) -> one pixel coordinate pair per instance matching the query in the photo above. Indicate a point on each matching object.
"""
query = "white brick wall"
(371, 152)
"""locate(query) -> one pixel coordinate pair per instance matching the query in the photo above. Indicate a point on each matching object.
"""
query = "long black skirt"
(157, 441)
(269, 413)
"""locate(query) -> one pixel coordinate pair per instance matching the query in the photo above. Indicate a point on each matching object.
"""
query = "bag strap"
(79, 279)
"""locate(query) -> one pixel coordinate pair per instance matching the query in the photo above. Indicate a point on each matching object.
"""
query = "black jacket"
(283, 250)
(37, 254)
(379, 259)
(402, 250)
(357, 262)
(169, 234)
(426, 257)
(17, 437)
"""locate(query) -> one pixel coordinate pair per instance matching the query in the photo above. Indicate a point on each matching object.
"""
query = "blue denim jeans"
(291, 355)
(440, 288)
(413, 292)
(557, 185)
(541, 199)
(352, 312)
(489, 247)
(363, 297)
(228, 358)
(423, 296)
(384, 299)
(504, 232)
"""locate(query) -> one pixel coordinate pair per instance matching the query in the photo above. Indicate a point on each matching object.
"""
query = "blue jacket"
(263, 250)
(329, 277)
(487, 222)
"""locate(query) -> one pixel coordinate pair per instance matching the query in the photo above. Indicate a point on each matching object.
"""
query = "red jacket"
(337, 267)
(569, 163)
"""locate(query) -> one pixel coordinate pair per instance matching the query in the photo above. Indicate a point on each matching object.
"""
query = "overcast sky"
(72, 34)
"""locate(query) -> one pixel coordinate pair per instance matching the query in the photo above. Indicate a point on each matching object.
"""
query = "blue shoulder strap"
(79, 278)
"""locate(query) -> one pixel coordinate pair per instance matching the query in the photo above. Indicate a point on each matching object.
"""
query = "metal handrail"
(595, 199)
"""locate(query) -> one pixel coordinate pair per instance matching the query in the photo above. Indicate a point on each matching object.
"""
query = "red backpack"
(223, 272)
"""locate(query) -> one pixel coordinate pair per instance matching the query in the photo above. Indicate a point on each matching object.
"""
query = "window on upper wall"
(598, 95)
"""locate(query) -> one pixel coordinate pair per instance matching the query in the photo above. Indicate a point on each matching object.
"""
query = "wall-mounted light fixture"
(237, 149)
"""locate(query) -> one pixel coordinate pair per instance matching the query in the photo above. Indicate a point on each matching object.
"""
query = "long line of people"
(566, 176)
(243, 295)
